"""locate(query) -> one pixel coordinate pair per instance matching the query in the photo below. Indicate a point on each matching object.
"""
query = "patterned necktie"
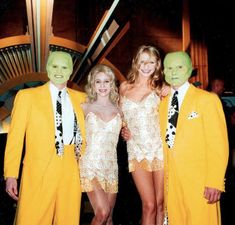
(172, 121)
(59, 144)
(77, 138)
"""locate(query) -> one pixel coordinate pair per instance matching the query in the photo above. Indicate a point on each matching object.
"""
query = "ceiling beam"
(39, 13)
(106, 36)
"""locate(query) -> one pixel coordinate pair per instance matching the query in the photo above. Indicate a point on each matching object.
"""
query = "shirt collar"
(54, 90)
(182, 89)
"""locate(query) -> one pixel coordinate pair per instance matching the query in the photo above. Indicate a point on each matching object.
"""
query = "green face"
(177, 68)
(59, 67)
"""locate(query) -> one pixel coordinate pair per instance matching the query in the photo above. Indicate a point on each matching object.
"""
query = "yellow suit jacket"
(198, 158)
(33, 120)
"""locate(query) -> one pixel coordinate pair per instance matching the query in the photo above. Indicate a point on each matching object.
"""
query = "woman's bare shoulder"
(124, 86)
(85, 107)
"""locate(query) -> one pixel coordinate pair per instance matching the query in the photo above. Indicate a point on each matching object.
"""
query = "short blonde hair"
(91, 94)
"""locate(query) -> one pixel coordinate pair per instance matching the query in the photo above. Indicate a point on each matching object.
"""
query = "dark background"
(212, 20)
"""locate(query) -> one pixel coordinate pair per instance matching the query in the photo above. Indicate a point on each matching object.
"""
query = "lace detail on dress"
(89, 185)
(143, 121)
(154, 165)
(98, 166)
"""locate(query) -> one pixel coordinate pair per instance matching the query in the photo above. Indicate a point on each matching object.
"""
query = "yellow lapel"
(164, 114)
(184, 110)
(48, 106)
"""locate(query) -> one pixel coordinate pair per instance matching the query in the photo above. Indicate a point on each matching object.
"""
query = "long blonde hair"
(156, 79)
(91, 94)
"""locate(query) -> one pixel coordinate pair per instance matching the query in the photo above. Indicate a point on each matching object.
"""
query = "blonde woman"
(140, 98)
(98, 166)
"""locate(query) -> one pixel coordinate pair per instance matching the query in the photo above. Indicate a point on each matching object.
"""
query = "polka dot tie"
(59, 144)
(172, 120)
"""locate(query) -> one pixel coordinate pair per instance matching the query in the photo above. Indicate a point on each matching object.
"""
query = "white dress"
(98, 165)
(145, 147)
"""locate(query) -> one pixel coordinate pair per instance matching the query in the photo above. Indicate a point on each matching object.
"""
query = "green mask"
(177, 68)
(59, 67)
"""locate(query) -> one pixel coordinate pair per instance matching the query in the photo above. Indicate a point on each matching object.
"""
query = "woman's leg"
(112, 201)
(158, 178)
(145, 186)
(100, 204)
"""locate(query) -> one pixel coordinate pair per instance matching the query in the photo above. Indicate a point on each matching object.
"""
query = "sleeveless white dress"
(98, 165)
(145, 147)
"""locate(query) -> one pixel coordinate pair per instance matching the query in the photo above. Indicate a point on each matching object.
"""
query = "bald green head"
(59, 67)
(177, 68)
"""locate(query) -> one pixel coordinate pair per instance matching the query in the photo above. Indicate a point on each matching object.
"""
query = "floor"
(124, 214)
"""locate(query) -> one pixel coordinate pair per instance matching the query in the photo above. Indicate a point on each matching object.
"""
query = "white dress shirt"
(67, 112)
(181, 93)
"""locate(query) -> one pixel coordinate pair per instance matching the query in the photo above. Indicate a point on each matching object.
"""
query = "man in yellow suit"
(195, 144)
(50, 120)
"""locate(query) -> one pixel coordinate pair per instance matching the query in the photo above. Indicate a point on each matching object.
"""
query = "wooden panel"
(67, 44)
(16, 40)
(21, 80)
(200, 62)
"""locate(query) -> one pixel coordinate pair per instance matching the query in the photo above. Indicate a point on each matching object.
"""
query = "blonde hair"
(91, 93)
(156, 78)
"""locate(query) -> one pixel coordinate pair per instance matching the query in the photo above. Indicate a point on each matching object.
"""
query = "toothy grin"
(58, 76)
(102, 90)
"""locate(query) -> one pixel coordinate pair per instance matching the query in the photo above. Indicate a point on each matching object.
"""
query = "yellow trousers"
(54, 196)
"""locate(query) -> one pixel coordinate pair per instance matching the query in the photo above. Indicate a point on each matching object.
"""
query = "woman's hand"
(165, 91)
(125, 132)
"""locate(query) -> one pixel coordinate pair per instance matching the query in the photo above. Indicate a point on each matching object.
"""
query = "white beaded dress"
(98, 166)
(145, 147)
